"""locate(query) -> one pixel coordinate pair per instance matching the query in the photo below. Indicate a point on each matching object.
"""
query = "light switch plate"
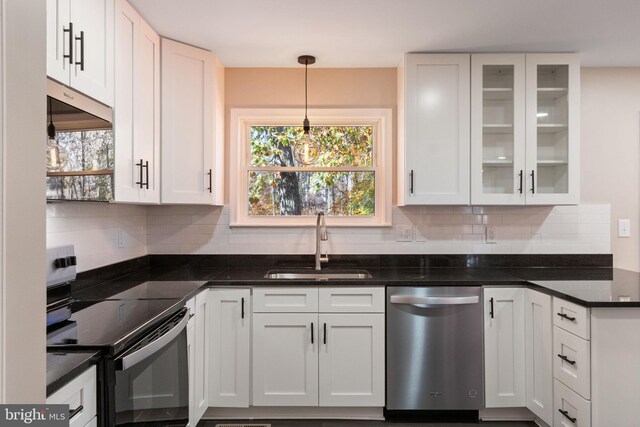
(404, 233)
(624, 228)
(491, 235)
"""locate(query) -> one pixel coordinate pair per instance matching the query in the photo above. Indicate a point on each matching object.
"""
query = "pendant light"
(306, 150)
(55, 156)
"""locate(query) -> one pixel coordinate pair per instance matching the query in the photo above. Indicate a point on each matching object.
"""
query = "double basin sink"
(307, 274)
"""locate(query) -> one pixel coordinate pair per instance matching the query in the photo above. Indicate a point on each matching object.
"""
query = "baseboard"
(299, 412)
(507, 414)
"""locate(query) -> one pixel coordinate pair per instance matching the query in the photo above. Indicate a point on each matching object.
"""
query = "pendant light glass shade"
(56, 156)
(306, 150)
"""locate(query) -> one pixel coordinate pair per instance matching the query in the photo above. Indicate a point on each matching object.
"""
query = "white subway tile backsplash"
(436, 229)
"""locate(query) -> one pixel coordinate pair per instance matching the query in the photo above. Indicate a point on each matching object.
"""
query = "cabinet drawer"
(576, 411)
(571, 317)
(574, 367)
(81, 391)
(351, 300)
(285, 300)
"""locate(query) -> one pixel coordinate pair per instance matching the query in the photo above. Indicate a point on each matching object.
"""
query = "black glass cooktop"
(147, 290)
(109, 325)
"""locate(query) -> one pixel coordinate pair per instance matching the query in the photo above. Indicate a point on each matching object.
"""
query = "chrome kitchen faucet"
(321, 236)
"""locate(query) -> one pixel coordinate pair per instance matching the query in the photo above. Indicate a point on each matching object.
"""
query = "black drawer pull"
(566, 415)
(141, 165)
(74, 412)
(242, 308)
(311, 332)
(520, 188)
(70, 31)
(491, 311)
(81, 39)
(411, 182)
(325, 334)
(533, 182)
(566, 359)
(564, 316)
(210, 188)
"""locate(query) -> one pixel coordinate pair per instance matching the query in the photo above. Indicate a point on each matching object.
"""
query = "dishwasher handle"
(413, 300)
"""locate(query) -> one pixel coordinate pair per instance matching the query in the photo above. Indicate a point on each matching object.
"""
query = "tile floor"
(334, 423)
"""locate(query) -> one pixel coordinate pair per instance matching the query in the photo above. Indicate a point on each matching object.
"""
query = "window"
(349, 181)
(86, 172)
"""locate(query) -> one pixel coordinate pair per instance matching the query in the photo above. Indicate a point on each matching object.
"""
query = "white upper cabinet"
(192, 125)
(525, 125)
(434, 126)
(553, 129)
(80, 46)
(497, 129)
(137, 108)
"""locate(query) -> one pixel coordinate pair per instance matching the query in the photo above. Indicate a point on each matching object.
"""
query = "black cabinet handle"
(146, 167)
(325, 334)
(70, 31)
(566, 359)
(566, 415)
(564, 316)
(141, 182)
(74, 412)
(533, 181)
(81, 62)
(411, 181)
(242, 308)
(311, 332)
(491, 310)
(520, 188)
(210, 186)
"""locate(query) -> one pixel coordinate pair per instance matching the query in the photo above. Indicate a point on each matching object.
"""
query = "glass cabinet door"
(552, 129)
(498, 120)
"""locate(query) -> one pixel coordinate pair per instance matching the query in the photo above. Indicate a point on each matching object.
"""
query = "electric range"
(141, 335)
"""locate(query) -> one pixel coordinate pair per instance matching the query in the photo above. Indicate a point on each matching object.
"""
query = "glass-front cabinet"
(525, 129)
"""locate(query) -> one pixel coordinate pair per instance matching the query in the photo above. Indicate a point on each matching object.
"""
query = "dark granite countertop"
(62, 367)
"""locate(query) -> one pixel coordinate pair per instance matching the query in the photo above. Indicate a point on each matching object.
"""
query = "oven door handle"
(409, 299)
(139, 355)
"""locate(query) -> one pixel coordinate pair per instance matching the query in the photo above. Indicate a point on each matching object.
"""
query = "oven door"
(152, 380)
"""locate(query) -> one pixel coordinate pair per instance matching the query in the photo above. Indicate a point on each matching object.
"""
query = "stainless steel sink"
(318, 275)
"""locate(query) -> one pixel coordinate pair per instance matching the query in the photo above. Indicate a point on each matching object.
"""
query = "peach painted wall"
(328, 87)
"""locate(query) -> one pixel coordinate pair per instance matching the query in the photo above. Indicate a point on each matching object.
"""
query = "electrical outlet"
(404, 233)
(121, 238)
(624, 228)
(491, 235)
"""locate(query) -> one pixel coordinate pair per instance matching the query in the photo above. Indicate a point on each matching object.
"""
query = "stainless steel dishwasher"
(434, 348)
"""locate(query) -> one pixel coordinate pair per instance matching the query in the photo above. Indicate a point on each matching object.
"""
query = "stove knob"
(60, 263)
(71, 261)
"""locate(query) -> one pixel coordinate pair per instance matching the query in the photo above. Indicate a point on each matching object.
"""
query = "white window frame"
(242, 119)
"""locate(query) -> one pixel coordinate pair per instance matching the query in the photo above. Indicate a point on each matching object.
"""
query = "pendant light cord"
(306, 67)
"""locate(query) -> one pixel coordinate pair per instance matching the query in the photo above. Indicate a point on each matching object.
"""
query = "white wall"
(610, 169)
(93, 228)
(22, 76)
(436, 230)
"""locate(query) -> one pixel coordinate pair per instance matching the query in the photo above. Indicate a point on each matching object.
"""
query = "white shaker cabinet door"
(192, 125)
(434, 153)
(285, 359)
(229, 355)
(352, 360)
(539, 348)
(504, 347)
(93, 46)
(58, 40)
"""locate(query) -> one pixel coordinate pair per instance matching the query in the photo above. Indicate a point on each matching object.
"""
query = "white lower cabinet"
(229, 341)
(285, 359)
(198, 353)
(572, 410)
(539, 347)
(351, 360)
(504, 347)
(80, 395)
(332, 358)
